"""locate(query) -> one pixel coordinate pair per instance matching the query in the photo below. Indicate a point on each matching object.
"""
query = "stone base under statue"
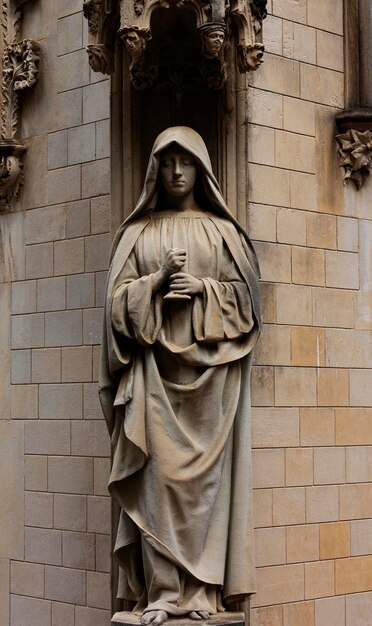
(126, 618)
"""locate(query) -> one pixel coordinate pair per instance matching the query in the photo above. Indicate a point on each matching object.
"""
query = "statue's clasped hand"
(186, 284)
(174, 259)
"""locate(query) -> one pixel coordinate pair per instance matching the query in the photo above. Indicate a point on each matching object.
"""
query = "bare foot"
(155, 618)
(199, 615)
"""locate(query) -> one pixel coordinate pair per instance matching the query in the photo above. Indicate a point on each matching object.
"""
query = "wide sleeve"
(136, 311)
(223, 311)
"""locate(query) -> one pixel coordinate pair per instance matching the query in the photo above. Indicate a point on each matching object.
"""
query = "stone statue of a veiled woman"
(182, 318)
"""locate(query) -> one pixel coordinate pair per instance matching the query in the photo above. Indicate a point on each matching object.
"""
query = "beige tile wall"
(312, 425)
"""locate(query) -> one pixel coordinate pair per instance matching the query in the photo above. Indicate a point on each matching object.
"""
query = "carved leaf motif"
(356, 155)
(93, 11)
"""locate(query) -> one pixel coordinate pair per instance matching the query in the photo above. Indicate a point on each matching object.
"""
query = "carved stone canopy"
(207, 28)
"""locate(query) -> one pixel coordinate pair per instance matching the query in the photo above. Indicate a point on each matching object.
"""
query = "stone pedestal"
(125, 618)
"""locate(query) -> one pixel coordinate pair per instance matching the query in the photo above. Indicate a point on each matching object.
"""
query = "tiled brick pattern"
(60, 574)
(311, 383)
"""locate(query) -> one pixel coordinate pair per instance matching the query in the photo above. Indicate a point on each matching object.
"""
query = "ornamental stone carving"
(213, 27)
(19, 72)
(356, 155)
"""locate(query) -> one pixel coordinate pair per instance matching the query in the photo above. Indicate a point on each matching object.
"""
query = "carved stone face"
(177, 172)
(213, 41)
(134, 43)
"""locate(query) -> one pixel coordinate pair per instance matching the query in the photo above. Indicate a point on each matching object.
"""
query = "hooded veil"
(181, 447)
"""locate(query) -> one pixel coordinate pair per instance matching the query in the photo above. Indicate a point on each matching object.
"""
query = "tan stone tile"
(295, 386)
(70, 512)
(95, 178)
(329, 51)
(27, 579)
(24, 297)
(347, 234)
(298, 467)
(261, 145)
(38, 611)
(294, 10)
(319, 579)
(361, 537)
(265, 108)
(4, 590)
(274, 346)
(78, 550)
(98, 590)
(355, 501)
(100, 214)
(85, 616)
(68, 7)
(101, 278)
(329, 466)
(80, 291)
(333, 387)
(73, 72)
(63, 328)
(39, 509)
(103, 553)
(96, 102)
(24, 402)
(82, 143)
(303, 191)
(353, 574)
(275, 427)
(279, 75)
(62, 472)
(64, 184)
(262, 386)
(47, 437)
(77, 364)
(268, 296)
(330, 611)
(92, 326)
(43, 546)
(322, 504)
(62, 614)
(363, 310)
(39, 260)
(262, 507)
(342, 270)
(96, 362)
(103, 140)
(90, 438)
(12, 490)
(334, 540)
(325, 16)
(298, 614)
(321, 230)
(51, 294)
(61, 401)
(267, 616)
(20, 368)
(69, 257)
(35, 189)
(304, 43)
(294, 305)
(92, 405)
(99, 515)
(353, 427)
(78, 219)
(273, 35)
(308, 346)
(279, 584)
(36, 473)
(275, 261)
(317, 427)
(359, 464)
(268, 468)
(57, 150)
(65, 585)
(332, 307)
(299, 116)
(321, 85)
(70, 33)
(349, 348)
(291, 226)
(358, 609)
(302, 543)
(329, 184)
(289, 506)
(361, 387)
(270, 546)
(262, 193)
(97, 250)
(294, 151)
(262, 222)
(46, 365)
(308, 266)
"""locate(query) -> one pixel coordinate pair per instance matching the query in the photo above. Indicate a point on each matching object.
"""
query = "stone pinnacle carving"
(19, 72)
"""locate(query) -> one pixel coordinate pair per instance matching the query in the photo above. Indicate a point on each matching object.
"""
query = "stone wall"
(312, 427)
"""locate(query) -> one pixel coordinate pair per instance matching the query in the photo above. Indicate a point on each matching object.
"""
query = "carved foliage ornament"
(356, 155)
(19, 72)
(215, 21)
